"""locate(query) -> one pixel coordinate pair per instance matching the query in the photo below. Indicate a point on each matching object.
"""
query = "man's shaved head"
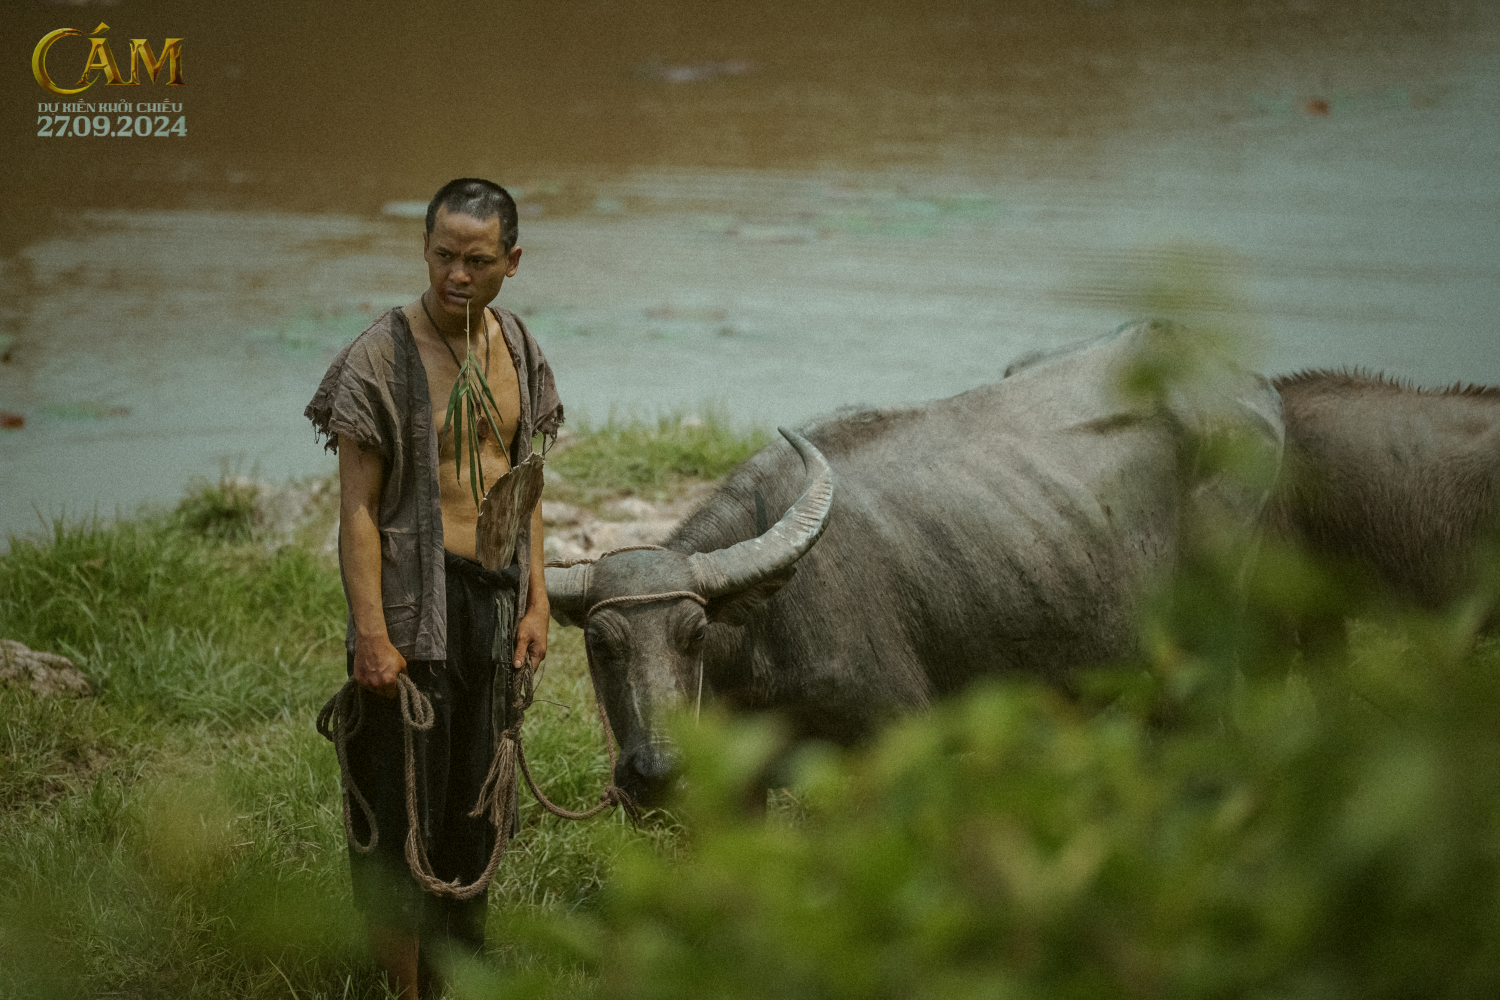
(479, 199)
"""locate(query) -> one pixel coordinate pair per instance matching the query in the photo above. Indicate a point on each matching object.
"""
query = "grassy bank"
(654, 460)
(179, 834)
(1213, 819)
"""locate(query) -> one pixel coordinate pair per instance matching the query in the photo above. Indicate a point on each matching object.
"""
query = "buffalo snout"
(646, 773)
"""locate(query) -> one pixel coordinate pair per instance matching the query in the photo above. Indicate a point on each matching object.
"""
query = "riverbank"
(178, 833)
(1203, 820)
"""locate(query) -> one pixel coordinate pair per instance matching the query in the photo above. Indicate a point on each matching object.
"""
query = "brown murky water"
(783, 207)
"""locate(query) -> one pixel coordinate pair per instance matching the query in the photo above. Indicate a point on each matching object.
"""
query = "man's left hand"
(531, 637)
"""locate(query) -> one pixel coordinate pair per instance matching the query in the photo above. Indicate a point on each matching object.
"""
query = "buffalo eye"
(603, 644)
(693, 634)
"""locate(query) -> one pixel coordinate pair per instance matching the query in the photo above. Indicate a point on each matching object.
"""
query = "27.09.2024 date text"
(158, 126)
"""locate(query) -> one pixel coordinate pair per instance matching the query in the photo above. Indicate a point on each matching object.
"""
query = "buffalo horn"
(744, 564)
(567, 592)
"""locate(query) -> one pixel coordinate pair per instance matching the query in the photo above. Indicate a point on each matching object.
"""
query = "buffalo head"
(646, 614)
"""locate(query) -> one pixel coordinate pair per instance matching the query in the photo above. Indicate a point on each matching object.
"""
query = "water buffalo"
(1011, 528)
(1394, 489)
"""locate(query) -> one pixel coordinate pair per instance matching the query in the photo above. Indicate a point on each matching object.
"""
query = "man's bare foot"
(395, 953)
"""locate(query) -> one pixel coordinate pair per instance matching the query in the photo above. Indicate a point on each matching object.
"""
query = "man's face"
(465, 264)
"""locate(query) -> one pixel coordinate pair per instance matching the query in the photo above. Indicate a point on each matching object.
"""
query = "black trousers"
(452, 760)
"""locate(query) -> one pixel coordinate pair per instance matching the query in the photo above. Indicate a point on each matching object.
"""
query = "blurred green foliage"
(1188, 826)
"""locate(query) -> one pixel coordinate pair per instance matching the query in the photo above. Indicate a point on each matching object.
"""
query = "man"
(418, 602)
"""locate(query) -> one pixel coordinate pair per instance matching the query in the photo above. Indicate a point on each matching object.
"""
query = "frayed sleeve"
(546, 405)
(353, 400)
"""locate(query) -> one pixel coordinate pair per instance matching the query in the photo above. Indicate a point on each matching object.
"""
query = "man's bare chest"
(443, 362)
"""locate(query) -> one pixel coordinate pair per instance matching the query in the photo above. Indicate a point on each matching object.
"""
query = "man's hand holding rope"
(531, 630)
(377, 664)
(531, 636)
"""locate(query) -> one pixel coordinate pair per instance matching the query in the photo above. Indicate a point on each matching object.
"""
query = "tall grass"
(180, 833)
(168, 622)
(651, 459)
(224, 510)
(1213, 818)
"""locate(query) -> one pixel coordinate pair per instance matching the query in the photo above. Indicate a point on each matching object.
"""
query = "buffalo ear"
(738, 608)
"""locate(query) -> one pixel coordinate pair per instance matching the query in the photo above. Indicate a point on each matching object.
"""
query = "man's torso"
(460, 515)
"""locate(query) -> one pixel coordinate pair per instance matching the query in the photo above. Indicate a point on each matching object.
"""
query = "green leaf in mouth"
(470, 401)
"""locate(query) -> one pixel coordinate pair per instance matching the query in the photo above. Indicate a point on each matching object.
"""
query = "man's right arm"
(361, 474)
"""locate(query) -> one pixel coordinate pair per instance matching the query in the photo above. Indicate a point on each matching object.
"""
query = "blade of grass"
(284, 979)
(471, 399)
(455, 402)
(492, 412)
(475, 474)
(458, 431)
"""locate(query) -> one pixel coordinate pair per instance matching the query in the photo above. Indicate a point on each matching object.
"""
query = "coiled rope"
(342, 717)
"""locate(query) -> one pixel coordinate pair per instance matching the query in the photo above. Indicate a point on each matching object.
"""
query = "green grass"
(1214, 819)
(179, 834)
(650, 459)
(224, 510)
(169, 623)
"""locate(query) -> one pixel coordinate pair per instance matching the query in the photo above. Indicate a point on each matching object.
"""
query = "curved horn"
(567, 593)
(746, 563)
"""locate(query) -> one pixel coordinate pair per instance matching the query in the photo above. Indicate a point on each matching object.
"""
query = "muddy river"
(777, 210)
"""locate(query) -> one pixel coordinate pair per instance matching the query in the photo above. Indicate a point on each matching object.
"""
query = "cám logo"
(101, 61)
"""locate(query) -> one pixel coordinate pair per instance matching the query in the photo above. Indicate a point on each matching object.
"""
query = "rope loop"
(670, 595)
(342, 717)
(339, 721)
(416, 708)
(567, 563)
